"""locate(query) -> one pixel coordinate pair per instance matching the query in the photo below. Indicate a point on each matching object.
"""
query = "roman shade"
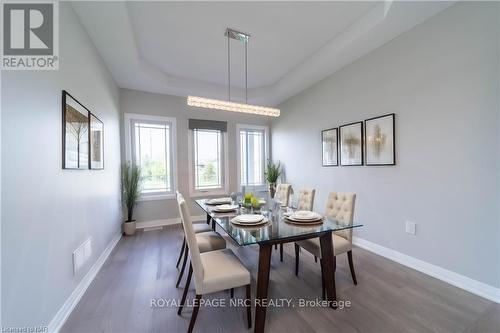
(207, 124)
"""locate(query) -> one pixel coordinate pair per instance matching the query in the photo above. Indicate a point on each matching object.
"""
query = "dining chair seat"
(222, 270)
(210, 241)
(312, 245)
(201, 227)
(198, 228)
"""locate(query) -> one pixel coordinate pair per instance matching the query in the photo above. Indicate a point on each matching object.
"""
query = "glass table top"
(278, 228)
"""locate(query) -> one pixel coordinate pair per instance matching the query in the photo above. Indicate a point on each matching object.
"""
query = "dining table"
(278, 230)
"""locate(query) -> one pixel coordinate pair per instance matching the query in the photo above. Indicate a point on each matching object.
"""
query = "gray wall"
(442, 81)
(48, 212)
(132, 101)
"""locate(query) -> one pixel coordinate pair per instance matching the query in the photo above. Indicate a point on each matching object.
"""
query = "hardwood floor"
(388, 298)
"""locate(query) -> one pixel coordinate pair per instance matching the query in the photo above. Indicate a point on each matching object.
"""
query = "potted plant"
(131, 191)
(273, 171)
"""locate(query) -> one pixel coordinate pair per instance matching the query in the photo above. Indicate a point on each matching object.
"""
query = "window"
(207, 157)
(151, 147)
(252, 152)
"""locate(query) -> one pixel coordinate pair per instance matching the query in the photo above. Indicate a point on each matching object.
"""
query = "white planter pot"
(129, 228)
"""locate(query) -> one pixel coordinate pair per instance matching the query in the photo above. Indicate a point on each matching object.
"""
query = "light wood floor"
(388, 298)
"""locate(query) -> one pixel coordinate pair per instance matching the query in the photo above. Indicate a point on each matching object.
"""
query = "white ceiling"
(179, 48)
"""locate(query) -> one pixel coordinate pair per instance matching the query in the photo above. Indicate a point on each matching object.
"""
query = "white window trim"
(238, 146)
(209, 192)
(128, 117)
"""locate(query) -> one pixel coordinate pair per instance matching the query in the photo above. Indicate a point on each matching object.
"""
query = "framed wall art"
(329, 142)
(75, 147)
(96, 143)
(351, 144)
(380, 140)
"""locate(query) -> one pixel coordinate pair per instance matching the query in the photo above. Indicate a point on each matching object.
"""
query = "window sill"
(153, 197)
(208, 194)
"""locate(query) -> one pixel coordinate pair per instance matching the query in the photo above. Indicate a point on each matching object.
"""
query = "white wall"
(132, 101)
(48, 212)
(442, 81)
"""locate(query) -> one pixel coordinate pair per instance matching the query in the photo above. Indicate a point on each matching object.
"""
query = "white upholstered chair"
(207, 240)
(306, 199)
(340, 207)
(198, 228)
(213, 271)
(283, 193)
(305, 202)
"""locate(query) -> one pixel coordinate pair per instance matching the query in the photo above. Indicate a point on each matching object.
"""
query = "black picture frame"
(392, 140)
(96, 143)
(323, 132)
(75, 133)
(359, 160)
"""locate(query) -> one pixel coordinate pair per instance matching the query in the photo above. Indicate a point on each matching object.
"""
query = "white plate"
(225, 208)
(218, 201)
(263, 221)
(249, 218)
(305, 218)
(304, 215)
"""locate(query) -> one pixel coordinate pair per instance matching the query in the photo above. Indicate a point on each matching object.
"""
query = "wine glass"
(292, 202)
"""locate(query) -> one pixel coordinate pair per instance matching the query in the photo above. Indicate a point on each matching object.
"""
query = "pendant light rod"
(246, 71)
(228, 68)
(242, 37)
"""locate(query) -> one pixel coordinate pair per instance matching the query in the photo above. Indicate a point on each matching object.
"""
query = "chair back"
(283, 193)
(340, 207)
(194, 251)
(306, 199)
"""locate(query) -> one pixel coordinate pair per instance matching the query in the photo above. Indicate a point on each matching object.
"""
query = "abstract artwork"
(380, 140)
(351, 144)
(75, 134)
(96, 143)
(329, 139)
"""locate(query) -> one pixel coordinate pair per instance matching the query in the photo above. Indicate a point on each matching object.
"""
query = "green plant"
(131, 187)
(273, 171)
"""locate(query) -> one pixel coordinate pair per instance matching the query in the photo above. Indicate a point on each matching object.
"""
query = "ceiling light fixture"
(216, 104)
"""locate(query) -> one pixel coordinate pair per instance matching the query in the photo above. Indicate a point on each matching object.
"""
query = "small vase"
(272, 190)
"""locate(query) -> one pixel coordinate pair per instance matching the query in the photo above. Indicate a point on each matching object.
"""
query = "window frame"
(128, 119)
(240, 127)
(224, 190)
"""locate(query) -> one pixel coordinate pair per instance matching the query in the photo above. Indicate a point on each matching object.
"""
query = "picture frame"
(96, 143)
(380, 143)
(75, 133)
(351, 144)
(329, 147)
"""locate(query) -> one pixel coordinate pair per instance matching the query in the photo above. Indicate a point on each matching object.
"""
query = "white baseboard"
(62, 315)
(455, 279)
(163, 222)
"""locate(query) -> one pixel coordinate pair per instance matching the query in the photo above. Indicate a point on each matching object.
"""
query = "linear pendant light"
(217, 104)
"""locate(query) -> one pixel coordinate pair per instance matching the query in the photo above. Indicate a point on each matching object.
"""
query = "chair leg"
(281, 252)
(296, 259)
(232, 292)
(275, 246)
(322, 281)
(351, 266)
(196, 307)
(181, 273)
(186, 289)
(315, 259)
(182, 251)
(248, 302)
